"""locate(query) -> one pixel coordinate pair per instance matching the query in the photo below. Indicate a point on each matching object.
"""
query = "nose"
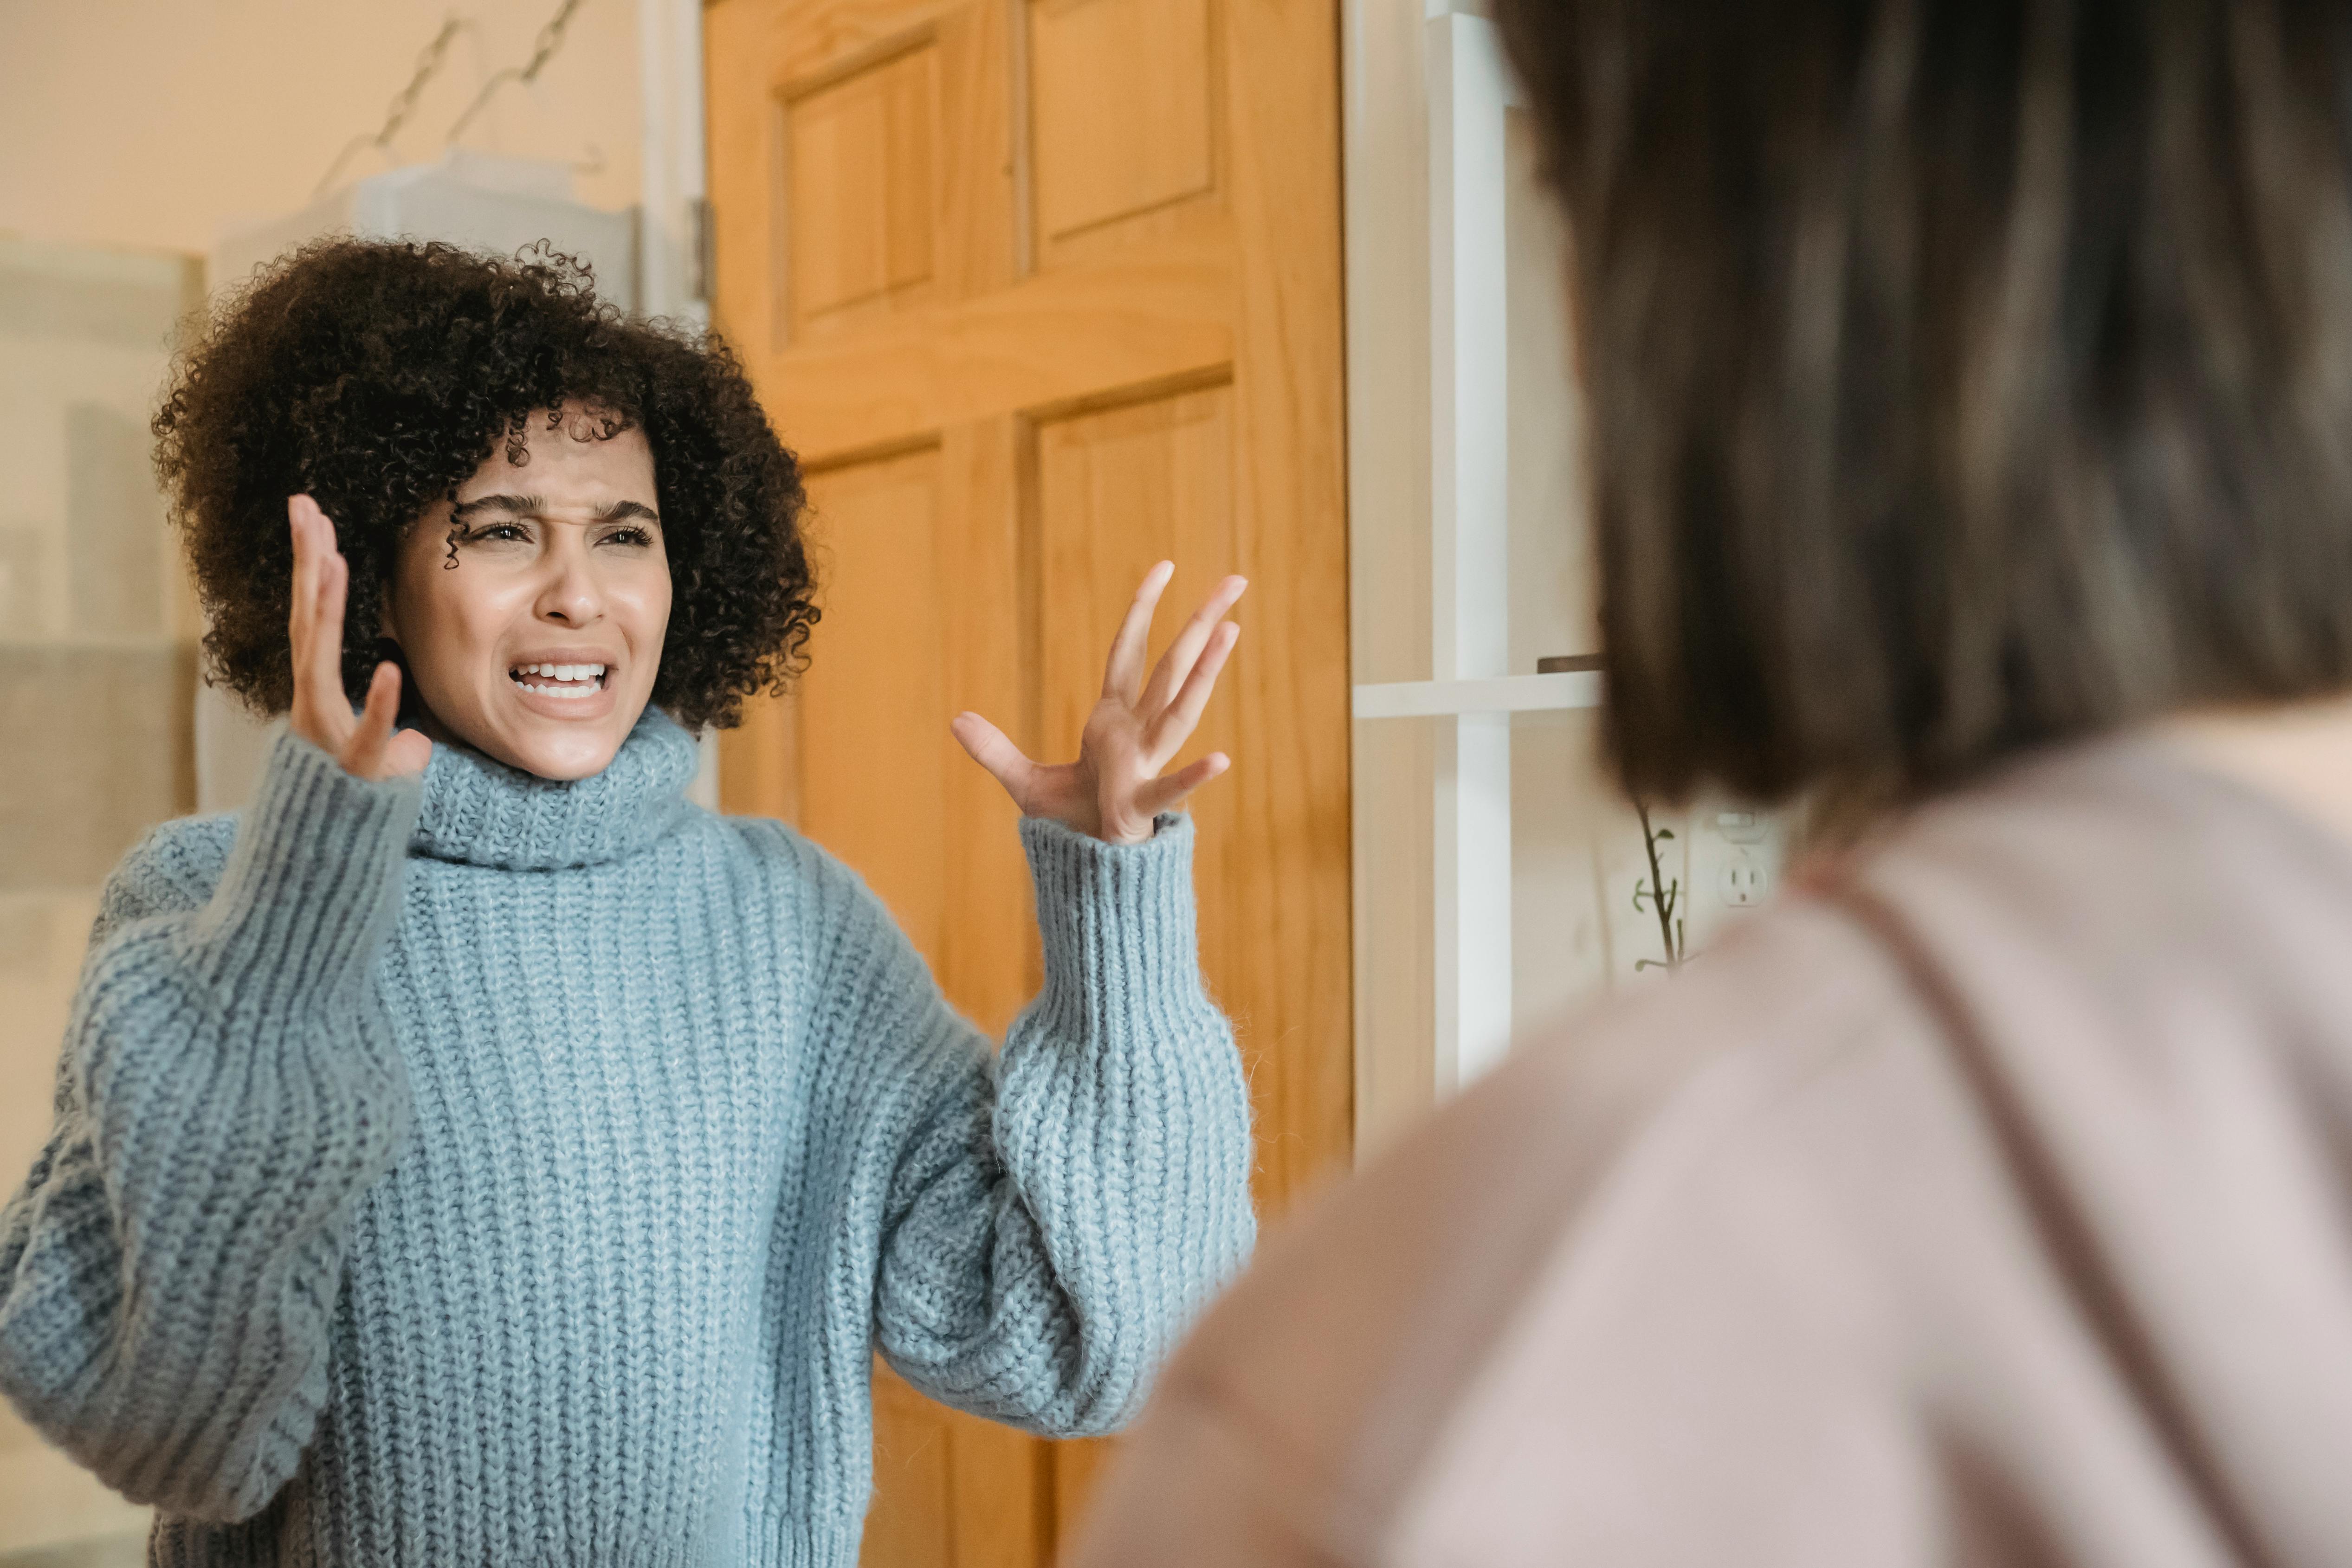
(570, 595)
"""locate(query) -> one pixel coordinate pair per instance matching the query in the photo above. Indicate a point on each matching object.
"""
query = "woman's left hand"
(1114, 790)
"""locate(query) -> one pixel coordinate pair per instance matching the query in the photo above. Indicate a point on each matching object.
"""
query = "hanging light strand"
(429, 61)
(543, 49)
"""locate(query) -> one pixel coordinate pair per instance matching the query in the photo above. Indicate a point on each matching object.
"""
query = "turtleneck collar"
(486, 813)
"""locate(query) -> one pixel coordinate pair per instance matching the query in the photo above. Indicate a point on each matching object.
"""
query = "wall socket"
(1743, 881)
(1750, 851)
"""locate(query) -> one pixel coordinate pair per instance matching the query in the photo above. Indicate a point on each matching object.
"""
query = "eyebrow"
(536, 506)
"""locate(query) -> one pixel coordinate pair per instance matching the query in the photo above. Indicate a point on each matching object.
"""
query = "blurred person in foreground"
(1972, 433)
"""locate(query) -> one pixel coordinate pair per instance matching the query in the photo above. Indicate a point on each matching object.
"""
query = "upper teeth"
(562, 671)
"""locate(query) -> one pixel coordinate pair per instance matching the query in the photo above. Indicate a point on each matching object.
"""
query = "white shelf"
(1499, 694)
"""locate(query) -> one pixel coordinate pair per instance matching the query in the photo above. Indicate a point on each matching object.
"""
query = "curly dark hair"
(379, 376)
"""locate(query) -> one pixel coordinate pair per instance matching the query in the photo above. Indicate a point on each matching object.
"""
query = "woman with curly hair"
(474, 1152)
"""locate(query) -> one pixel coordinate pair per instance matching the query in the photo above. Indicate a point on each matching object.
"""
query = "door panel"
(1045, 291)
(859, 187)
(877, 671)
(1122, 109)
(953, 1489)
(1119, 490)
(918, 552)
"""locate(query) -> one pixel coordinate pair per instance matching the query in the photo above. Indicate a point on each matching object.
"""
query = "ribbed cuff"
(796, 1543)
(1121, 947)
(311, 887)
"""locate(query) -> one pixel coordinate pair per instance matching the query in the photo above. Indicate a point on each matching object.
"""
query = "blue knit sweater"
(488, 1170)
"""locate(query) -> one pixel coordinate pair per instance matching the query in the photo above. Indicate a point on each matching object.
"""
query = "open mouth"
(559, 680)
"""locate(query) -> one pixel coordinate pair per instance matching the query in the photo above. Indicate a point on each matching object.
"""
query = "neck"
(481, 811)
(2299, 753)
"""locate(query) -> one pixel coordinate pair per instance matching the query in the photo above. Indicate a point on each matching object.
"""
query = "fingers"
(1123, 677)
(302, 598)
(1166, 794)
(315, 625)
(1176, 665)
(366, 746)
(326, 672)
(1166, 733)
(363, 755)
(407, 754)
(990, 747)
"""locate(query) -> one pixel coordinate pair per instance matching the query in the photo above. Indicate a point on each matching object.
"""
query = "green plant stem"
(1658, 899)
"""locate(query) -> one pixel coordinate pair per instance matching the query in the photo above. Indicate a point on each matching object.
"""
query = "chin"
(571, 768)
(560, 752)
(561, 755)
(566, 759)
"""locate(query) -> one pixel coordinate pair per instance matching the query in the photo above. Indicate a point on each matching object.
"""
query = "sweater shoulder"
(173, 867)
(798, 863)
(845, 934)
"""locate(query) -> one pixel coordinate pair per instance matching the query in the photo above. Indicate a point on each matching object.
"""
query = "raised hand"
(1114, 790)
(365, 745)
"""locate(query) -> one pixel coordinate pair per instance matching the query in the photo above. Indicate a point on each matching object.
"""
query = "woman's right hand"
(365, 745)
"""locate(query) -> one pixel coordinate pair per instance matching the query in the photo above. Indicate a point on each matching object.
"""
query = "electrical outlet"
(1744, 881)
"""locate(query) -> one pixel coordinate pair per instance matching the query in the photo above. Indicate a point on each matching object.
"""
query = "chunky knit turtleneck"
(486, 813)
(486, 1170)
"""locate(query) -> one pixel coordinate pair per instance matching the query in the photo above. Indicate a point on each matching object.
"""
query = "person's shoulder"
(174, 865)
(1802, 991)
(792, 865)
(1338, 1356)
(1373, 1308)
(2107, 866)
(775, 845)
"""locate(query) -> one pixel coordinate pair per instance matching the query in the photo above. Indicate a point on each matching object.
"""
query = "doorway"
(1042, 291)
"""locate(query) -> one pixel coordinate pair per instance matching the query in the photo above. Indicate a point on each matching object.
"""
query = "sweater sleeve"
(1055, 1213)
(228, 1088)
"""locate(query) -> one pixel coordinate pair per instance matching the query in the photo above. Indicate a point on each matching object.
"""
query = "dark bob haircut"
(1966, 375)
(380, 376)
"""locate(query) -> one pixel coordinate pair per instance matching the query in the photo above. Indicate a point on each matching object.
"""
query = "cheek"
(414, 604)
(452, 618)
(649, 604)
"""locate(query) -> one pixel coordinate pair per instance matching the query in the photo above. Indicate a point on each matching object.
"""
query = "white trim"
(1502, 694)
(672, 181)
(1470, 550)
(1469, 361)
(672, 184)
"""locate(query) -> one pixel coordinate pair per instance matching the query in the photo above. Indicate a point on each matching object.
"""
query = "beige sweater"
(1991, 1204)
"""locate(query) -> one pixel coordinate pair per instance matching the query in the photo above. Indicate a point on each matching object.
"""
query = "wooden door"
(1042, 291)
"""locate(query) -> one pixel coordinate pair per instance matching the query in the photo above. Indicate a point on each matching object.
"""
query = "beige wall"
(132, 133)
(95, 673)
(154, 123)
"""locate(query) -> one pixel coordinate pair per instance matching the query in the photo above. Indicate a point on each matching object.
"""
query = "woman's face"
(539, 645)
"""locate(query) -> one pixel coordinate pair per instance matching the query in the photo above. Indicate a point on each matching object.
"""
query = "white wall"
(1577, 850)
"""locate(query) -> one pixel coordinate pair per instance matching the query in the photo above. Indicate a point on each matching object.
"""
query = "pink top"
(1990, 1204)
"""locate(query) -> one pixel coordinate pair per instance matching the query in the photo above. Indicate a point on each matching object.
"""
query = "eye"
(632, 536)
(496, 533)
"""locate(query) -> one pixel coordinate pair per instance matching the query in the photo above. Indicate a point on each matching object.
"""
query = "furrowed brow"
(517, 506)
(619, 510)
